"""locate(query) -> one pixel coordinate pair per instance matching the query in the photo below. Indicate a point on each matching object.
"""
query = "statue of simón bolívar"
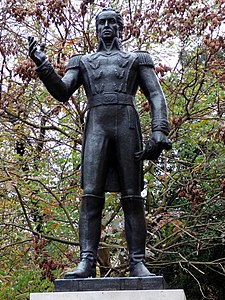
(112, 155)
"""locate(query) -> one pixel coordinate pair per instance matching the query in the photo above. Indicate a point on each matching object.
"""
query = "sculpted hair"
(119, 19)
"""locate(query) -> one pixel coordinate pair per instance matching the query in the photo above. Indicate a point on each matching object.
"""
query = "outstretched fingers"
(42, 47)
(32, 47)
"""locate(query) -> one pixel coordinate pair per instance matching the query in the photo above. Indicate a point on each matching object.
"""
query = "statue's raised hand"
(36, 53)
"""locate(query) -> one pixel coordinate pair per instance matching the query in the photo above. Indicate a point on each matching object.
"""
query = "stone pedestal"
(110, 284)
(113, 295)
(118, 288)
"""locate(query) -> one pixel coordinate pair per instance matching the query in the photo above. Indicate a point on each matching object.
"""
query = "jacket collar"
(116, 45)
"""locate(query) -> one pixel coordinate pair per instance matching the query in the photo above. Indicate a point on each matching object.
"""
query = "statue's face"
(107, 25)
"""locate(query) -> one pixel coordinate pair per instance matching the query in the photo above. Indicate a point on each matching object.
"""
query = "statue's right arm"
(60, 88)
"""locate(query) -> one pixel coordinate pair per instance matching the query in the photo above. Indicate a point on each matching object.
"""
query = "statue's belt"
(110, 98)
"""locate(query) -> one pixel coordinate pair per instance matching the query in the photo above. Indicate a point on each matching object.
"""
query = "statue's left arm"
(151, 88)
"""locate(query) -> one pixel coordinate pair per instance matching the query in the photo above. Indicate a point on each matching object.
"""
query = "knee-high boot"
(135, 229)
(89, 236)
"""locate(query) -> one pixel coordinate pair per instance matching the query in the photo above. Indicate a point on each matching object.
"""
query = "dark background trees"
(40, 143)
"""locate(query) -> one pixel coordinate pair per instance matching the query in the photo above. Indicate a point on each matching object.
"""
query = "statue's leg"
(89, 235)
(95, 166)
(130, 176)
(135, 228)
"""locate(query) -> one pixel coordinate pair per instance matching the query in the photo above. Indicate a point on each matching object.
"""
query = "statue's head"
(109, 24)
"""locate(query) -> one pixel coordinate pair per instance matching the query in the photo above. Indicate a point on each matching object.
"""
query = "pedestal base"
(116, 288)
(113, 295)
(110, 284)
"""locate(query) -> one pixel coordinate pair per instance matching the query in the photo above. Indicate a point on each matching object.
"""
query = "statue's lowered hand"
(154, 147)
(36, 53)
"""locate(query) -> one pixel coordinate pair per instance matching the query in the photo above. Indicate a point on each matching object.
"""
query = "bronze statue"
(112, 149)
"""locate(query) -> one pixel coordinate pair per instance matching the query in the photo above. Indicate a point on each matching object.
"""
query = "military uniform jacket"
(110, 77)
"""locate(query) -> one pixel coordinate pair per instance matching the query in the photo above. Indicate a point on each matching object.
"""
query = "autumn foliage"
(40, 143)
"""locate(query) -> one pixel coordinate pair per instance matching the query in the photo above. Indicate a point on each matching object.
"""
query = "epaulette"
(74, 61)
(145, 59)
